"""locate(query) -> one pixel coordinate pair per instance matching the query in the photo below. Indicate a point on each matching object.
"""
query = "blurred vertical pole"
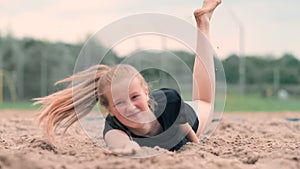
(20, 72)
(276, 78)
(242, 64)
(162, 76)
(137, 49)
(43, 76)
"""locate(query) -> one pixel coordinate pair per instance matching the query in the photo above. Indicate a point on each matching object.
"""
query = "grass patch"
(18, 105)
(234, 103)
(256, 103)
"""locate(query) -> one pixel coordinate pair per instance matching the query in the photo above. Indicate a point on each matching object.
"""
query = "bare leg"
(204, 74)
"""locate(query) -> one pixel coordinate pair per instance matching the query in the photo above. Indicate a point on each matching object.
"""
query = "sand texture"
(242, 140)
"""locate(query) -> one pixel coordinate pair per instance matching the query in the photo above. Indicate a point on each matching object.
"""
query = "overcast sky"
(271, 26)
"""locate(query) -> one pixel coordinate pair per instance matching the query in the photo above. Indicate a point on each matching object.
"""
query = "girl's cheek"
(137, 103)
(141, 105)
(117, 111)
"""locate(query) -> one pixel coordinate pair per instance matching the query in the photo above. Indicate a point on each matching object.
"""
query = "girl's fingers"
(131, 148)
(107, 152)
(119, 152)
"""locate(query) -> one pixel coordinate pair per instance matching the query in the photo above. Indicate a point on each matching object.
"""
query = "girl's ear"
(146, 90)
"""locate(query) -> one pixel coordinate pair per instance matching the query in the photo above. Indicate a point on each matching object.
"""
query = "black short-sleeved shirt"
(170, 111)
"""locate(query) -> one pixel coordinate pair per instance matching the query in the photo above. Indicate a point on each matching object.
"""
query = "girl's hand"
(187, 129)
(131, 147)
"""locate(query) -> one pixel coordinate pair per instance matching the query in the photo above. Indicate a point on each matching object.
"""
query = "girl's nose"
(130, 106)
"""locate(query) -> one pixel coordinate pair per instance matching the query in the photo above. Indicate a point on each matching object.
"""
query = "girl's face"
(129, 103)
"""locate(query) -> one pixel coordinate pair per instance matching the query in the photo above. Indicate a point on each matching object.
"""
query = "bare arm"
(186, 128)
(120, 143)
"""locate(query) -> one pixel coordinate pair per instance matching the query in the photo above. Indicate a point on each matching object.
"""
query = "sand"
(242, 140)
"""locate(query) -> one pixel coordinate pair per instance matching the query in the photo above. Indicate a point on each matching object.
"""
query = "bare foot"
(205, 13)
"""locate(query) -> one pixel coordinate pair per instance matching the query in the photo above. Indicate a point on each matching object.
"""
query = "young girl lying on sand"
(137, 117)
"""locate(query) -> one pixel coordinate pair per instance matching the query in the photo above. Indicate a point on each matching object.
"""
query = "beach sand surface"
(241, 140)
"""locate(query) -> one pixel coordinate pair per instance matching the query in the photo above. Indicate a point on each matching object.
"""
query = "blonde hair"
(89, 87)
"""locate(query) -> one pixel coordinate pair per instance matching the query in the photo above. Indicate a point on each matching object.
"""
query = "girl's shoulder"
(167, 94)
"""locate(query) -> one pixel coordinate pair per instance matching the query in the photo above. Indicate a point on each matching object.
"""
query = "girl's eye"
(135, 96)
(119, 103)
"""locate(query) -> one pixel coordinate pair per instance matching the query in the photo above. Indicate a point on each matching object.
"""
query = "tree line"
(30, 66)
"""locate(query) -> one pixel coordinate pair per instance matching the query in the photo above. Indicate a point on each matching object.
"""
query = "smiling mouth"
(133, 114)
